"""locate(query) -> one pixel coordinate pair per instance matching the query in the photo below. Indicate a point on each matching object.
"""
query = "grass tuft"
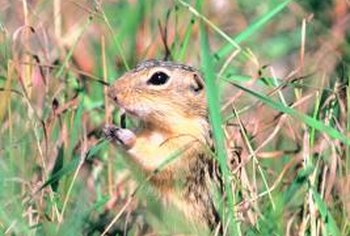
(277, 82)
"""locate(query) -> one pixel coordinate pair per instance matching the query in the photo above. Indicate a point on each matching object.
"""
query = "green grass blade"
(310, 121)
(216, 122)
(69, 55)
(347, 151)
(73, 164)
(225, 50)
(328, 220)
(57, 166)
(115, 39)
(180, 56)
(76, 126)
(68, 169)
(314, 116)
(300, 180)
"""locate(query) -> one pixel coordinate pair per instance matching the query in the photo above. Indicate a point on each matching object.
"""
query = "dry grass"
(282, 70)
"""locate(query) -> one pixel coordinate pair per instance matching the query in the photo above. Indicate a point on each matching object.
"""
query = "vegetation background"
(279, 67)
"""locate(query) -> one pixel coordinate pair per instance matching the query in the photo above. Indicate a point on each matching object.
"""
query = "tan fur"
(174, 118)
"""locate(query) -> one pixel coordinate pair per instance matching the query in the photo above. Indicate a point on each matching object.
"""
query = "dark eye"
(158, 78)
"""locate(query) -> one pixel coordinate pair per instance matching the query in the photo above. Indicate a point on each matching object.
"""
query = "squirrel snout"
(115, 98)
(112, 94)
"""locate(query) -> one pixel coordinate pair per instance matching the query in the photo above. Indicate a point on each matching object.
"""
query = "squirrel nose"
(112, 94)
(115, 98)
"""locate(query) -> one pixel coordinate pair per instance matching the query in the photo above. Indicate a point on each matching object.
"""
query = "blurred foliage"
(284, 91)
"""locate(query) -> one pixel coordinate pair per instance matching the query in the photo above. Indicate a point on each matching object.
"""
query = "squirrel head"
(161, 91)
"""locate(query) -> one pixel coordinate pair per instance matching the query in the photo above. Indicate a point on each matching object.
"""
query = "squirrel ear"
(197, 84)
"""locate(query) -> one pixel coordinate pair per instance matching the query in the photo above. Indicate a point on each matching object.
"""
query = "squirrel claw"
(123, 137)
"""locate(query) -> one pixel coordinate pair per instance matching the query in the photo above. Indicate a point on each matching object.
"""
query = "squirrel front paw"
(124, 137)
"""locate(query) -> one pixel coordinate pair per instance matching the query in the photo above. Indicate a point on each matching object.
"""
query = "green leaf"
(69, 168)
(180, 56)
(310, 121)
(76, 126)
(216, 123)
(300, 180)
(73, 164)
(251, 29)
(328, 220)
(58, 166)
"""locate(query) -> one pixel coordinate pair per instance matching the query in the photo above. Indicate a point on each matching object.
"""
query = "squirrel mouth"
(124, 114)
(122, 118)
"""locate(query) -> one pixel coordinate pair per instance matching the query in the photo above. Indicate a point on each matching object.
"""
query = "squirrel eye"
(158, 78)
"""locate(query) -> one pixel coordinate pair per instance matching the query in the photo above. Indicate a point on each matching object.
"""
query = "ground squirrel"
(169, 100)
